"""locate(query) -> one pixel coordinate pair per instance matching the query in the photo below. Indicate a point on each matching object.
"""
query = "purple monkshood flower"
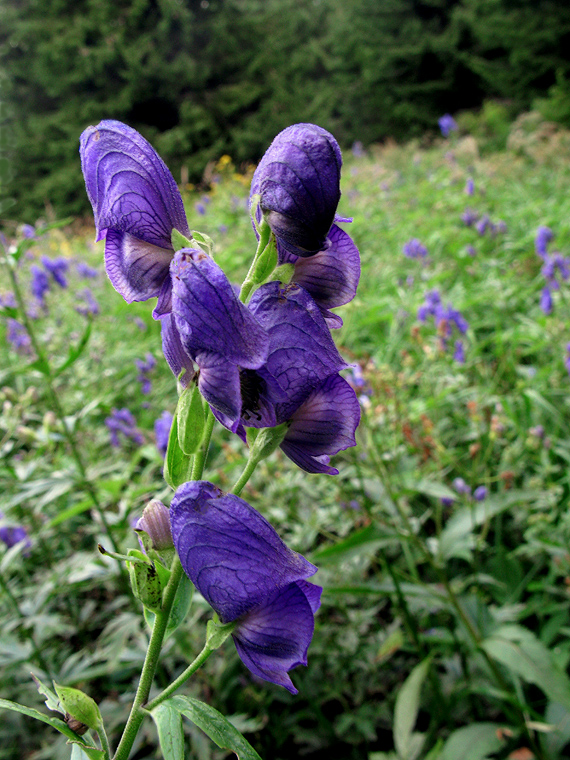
(90, 307)
(57, 268)
(447, 124)
(413, 249)
(461, 487)
(248, 575)
(122, 421)
(543, 237)
(162, 431)
(297, 183)
(40, 282)
(18, 337)
(155, 522)
(260, 365)
(546, 300)
(145, 366)
(137, 205)
(470, 186)
(480, 493)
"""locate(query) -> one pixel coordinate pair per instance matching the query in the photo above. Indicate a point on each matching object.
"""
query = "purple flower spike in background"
(13, 534)
(469, 186)
(249, 576)
(298, 184)
(18, 337)
(480, 493)
(122, 421)
(136, 205)
(162, 431)
(40, 282)
(543, 237)
(57, 269)
(567, 359)
(546, 300)
(145, 367)
(413, 249)
(447, 124)
(461, 487)
(459, 353)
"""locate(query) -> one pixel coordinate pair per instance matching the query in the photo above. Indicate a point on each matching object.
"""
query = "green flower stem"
(182, 678)
(104, 742)
(250, 280)
(138, 712)
(151, 661)
(250, 466)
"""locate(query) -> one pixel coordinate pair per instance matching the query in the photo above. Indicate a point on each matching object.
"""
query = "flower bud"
(155, 522)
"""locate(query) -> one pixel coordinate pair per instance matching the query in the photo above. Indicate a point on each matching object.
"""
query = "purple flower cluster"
(122, 421)
(482, 224)
(39, 284)
(446, 318)
(447, 124)
(145, 367)
(463, 489)
(162, 431)
(555, 269)
(262, 364)
(18, 337)
(57, 269)
(414, 249)
(89, 306)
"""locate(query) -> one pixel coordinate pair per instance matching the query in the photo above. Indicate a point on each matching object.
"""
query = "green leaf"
(80, 706)
(52, 701)
(75, 351)
(176, 462)
(92, 752)
(474, 742)
(168, 722)
(179, 241)
(190, 418)
(215, 725)
(520, 651)
(456, 539)
(409, 744)
(348, 546)
(73, 511)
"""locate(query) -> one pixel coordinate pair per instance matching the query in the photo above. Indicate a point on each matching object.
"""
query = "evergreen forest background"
(201, 79)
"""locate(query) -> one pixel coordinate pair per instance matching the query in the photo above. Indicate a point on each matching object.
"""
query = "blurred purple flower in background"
(358, 149)
(12, 534)
(471, 250)
(18, 337)
(249, 576)
(470, 186)
(162, 431)
(469, 217)
(459, 352)
(145, 367)
(461, 487)
(57, 268)
(414, 249)
(84, 270)
(543, 236)
(546, 300)
(39, 284)
(447, 124)
(567, 359)
(480, 493)
(28, 231)
(122, 421)
(483, 225)
(90, 307)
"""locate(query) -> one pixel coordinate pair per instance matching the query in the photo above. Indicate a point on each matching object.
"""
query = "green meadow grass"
(444, 630)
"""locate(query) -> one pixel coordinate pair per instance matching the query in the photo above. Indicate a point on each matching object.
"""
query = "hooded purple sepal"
(322, 426)
(247, 574)
(302, 352)
(177, 358)
(331, 276)
(136, 205)
(298, 184)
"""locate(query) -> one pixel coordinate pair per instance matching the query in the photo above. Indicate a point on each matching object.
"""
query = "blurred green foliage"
(200, 78)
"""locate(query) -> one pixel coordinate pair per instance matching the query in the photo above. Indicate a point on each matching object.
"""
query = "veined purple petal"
(136, 205)
(274, 637)
(137, 270)
(331, 277)
(302, 352)
(174, 353)
(209, 316)
(229, 551)
(298, 181)
(323, 425)
(220, 386)
(129, 185)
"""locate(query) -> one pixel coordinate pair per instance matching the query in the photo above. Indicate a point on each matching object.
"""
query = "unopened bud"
(155, 522)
